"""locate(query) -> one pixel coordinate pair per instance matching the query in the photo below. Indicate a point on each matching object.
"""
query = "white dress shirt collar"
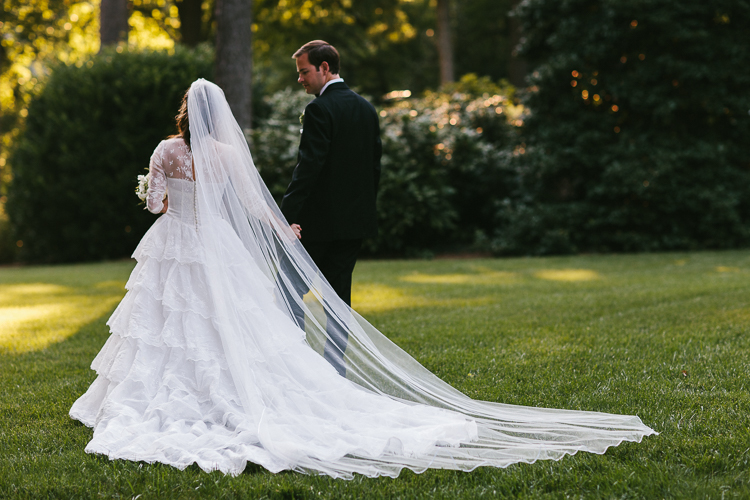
(335, 80)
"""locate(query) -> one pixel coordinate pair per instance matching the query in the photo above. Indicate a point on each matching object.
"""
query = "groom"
(331, 198)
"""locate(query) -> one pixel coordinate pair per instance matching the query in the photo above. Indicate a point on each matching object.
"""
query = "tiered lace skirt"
(164, 392)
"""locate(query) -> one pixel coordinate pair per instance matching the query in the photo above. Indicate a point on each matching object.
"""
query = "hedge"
(88, 134)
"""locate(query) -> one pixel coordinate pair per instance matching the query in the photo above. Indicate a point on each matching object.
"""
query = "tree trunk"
(191, 22)
(517, 66)
(113, 22)
(234, 56)
(445, 41)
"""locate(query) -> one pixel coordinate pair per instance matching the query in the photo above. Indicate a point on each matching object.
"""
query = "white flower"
(142, 190)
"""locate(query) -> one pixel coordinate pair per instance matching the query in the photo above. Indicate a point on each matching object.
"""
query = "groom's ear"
(324, 66)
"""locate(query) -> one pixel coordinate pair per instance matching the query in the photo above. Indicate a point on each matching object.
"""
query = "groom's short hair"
(319, 51)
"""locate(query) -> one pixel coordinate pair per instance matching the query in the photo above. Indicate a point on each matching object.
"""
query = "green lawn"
(662, 336)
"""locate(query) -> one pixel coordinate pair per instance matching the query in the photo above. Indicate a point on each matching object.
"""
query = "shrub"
(445, 162)
(7, 244)
(637, 134)
(89, 132)
(275, 141)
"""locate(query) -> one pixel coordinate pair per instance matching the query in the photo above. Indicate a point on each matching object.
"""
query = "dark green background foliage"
(677, 175)
(88, 134)
(654, 158)
(93, 129)
(481, 41)
(7, 243)
(371, 60)
(445, 161)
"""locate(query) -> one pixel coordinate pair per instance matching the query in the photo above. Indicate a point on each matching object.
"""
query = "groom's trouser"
(336, 260)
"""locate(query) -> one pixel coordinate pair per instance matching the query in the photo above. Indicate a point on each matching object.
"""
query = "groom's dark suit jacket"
(334, 185)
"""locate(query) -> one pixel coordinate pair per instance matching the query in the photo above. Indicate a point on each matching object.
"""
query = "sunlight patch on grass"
(109, 284)
(487, 277)
(28, 292)
(725, 269)
(375, 298)
(567, 275)
(36, 315)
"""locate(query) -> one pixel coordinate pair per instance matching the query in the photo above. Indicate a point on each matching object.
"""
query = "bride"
(207, 364)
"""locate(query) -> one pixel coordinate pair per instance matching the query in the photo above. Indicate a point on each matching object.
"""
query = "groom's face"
(310, 78)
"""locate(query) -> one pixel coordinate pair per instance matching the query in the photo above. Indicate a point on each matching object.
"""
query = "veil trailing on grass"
(229, 190)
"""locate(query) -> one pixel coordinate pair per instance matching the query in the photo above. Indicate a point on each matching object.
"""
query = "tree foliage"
(482, 38)
(382, 42)
(638, 128)
(32, 32)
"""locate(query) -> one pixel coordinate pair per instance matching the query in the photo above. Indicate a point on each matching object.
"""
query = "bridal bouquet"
(142, 189)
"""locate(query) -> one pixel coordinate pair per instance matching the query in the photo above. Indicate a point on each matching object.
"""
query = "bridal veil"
(229, 187)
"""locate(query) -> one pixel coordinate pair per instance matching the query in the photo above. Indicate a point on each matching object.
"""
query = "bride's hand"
(297, 230)
(166, 205)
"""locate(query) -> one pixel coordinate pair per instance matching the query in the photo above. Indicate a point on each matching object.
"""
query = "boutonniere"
(302, 121)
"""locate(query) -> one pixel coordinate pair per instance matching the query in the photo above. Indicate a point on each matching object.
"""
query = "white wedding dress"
(206, 363)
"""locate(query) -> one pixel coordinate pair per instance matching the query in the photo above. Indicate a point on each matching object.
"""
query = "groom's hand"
(297, 230)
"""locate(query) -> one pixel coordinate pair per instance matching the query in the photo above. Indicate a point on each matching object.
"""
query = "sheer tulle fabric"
(207, 364)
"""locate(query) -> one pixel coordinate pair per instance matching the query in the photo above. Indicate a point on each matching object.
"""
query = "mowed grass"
(663, 336)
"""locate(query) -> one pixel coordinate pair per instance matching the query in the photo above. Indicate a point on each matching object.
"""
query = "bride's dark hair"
(183, 124)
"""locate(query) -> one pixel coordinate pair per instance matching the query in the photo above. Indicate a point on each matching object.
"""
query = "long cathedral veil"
(229, 190)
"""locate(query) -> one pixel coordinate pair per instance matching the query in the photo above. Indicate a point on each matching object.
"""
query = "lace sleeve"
(157, 183)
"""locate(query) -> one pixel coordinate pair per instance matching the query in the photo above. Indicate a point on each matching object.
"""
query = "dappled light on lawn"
(36, 315)
(726, 269)
(567, 275)
(487, 277)
(376, 297)
(651, 337)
